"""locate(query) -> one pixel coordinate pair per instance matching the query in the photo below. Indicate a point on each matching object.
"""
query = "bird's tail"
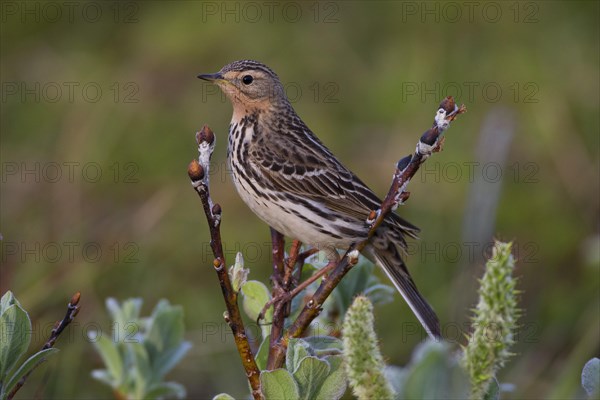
(384, 251)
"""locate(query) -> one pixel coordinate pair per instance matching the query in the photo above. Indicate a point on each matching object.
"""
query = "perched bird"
(294, 183)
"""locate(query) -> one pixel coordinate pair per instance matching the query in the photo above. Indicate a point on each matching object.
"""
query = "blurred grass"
(151, 230)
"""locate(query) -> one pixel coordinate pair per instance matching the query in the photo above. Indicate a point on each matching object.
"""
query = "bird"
(295, 184)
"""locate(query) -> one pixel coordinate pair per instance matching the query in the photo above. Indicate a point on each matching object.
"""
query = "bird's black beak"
(211, 77)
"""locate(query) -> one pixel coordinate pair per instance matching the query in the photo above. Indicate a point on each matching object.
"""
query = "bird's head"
(249, 85)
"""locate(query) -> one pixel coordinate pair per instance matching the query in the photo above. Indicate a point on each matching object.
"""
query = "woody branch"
(198, 171)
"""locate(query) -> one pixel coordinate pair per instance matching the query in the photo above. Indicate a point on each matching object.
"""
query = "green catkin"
(493, 321)
(363, 361)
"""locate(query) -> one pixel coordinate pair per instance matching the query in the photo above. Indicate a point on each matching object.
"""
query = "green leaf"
(167, 360)
(15, 336)
(590, 377)
(165, 337)
(379, 293)
(309, 270)
(166, 330)
(279, 385)
(238, 274)
(223, 396)
(170, 390)
(131, 309)
(31, 363)
(354, 282)
(110, 356)
(297, 350)
(334, 385)
(127, 326)
(255, 295)
(162, 306)
(310, 375)
(263, 353)
(164, 341)
(142, 370)
(114, 309)
(8, 299)
(435, 373)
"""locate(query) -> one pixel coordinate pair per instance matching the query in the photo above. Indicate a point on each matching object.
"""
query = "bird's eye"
(247, 79)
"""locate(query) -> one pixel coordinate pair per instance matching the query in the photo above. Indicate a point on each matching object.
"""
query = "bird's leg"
(333, 256)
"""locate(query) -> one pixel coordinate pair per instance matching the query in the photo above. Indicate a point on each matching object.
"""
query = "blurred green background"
(99, 107)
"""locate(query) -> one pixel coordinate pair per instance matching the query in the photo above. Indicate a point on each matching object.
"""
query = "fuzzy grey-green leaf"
(109, 354)
(255, 295)
(590, 377)
(223, 396)
(15, 331)
(169, 358)
(169, 390)
(31, 363)
(279, 384)
(7, 300)
(334, 385)
(435, 374)
(263, 353)
(238, 274)
(297, 350)
(310, 375)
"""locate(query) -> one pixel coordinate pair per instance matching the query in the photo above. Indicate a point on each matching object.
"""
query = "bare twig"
(429, 143)
(198, 173)
(291, 261)
(279, 289)
(72, 311)
(289, 295)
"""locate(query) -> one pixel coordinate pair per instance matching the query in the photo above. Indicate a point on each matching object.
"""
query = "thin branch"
(288, 296)
(297, 273)
(72, 311)
(291, 261)
(430, 142)
(279, 289)
(198, 172)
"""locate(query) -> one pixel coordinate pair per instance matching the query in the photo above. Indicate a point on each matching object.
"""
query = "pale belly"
(291, 223)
